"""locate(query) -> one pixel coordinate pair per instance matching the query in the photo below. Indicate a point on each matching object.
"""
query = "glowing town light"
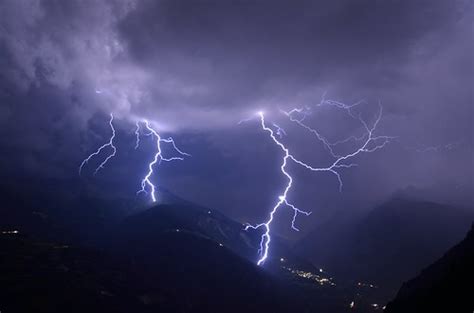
(10, 232)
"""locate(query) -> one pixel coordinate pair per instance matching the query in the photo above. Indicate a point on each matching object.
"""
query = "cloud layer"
(198, 67)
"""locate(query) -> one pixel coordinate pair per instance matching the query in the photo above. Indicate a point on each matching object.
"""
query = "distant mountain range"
(210, 258)
(171, 257)
(444, 286)
(79, 252)
(191, 219)
(389, 245)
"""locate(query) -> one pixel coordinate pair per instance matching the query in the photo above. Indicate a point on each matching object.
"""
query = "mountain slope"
(210, 260)
(190, 275)
(192, 219)
(50, 277)
(390, 244)
(444, 286)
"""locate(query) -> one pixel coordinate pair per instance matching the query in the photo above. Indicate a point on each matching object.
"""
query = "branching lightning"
(110, 144)
(369, 142)
(282, 199)
(147, 185)
(158, 157)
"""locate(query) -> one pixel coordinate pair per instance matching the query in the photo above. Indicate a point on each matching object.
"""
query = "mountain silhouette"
(210, 260)
(444, 286)
(390, 244)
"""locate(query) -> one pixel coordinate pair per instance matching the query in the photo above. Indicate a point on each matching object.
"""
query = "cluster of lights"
(10, 232)
(375, 306)
(311, 276)
(360, 284)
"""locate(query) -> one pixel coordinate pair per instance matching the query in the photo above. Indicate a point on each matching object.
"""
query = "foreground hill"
(147, 228)
(168, 258)
(389, 245)
(38, 276)
(172, 257)
(444, 286)
(210, 260)
(191, 275)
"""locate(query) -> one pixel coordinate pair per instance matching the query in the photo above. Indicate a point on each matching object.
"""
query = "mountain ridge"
(401, 234)
(442, 286)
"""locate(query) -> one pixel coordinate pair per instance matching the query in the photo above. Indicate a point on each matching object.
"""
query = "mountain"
(444, 286)
(172, 272)
(80, 252)
(210, 260)
(53, 277)
(194, 220)
(39, 276)
(389, 245)
(68, 210)
(59, 210)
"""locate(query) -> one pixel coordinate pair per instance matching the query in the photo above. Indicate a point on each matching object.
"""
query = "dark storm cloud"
(217, 58)
(199, 64)
(197, 67)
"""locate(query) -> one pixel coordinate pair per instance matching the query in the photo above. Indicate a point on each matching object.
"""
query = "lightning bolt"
(282, 199)
(307, 111)
(158, 157)
(110, 144)
(370, 143)
(137, 135)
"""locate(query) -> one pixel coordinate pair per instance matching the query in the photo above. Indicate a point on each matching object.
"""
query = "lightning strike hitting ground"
(110, 144)
(282, 199)
(158, 157)
(369, 143)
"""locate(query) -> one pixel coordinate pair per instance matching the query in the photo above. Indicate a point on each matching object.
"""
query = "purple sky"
(195, 68)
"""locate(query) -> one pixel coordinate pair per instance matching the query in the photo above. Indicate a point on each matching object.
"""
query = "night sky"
(196, 68)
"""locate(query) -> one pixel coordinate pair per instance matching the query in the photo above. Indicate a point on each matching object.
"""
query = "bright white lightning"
(282, 199)
(307, 110)
(137, 135)
(158, 157)
(370, 143)
(110, 144)
(279, 131)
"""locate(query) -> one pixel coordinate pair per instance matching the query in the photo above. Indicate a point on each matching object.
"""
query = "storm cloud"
(195, 68)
